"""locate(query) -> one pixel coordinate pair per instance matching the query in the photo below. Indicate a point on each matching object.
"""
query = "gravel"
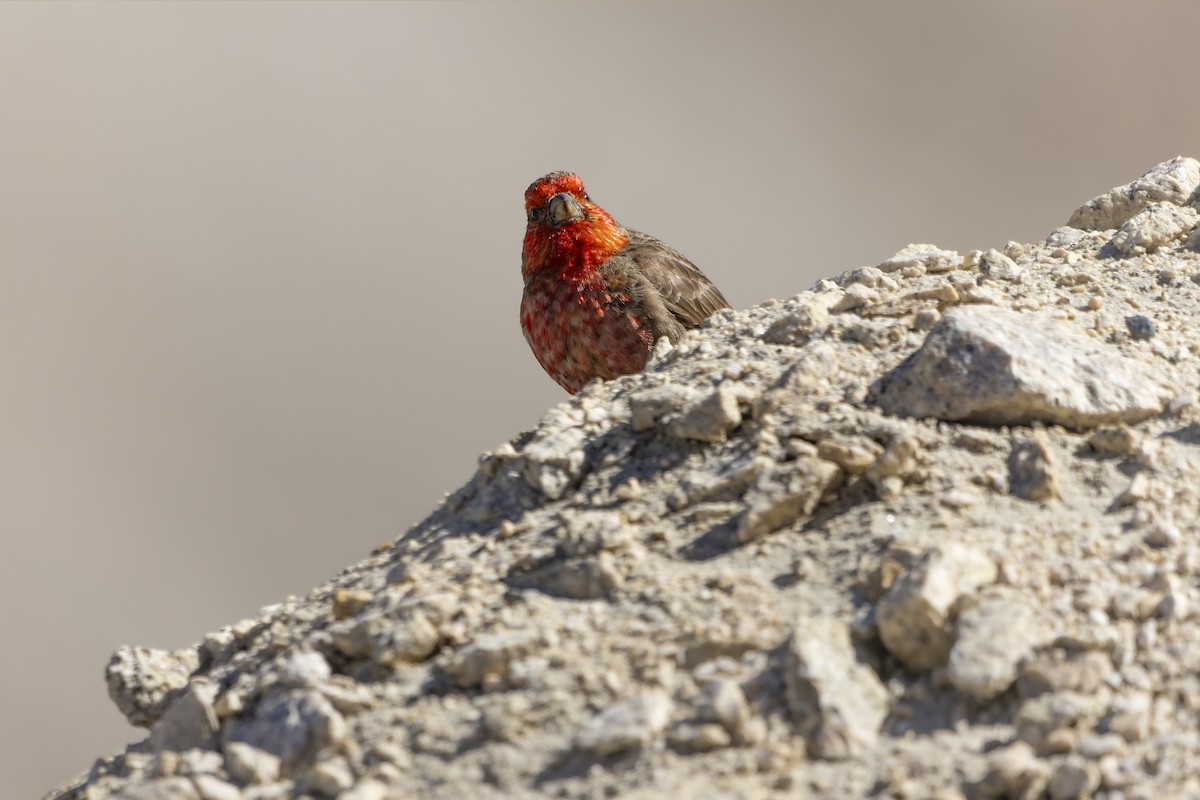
(927, 529)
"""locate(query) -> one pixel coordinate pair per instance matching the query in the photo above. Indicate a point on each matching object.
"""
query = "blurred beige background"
(259, 262)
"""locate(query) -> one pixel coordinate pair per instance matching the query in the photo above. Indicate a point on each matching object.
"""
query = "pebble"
(1140, 327)
(292, 724)
(791, 492)
(248, 765)
(837, 703)
(711, 419)
(626, 725)
(915, 615)
(189, 722)
(993, 637)
(490, 654)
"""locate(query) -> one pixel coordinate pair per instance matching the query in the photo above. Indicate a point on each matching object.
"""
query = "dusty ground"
(925, 530)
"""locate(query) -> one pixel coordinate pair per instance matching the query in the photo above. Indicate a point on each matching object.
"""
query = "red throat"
(574, 250)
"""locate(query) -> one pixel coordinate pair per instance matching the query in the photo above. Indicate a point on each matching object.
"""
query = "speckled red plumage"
(598, 295)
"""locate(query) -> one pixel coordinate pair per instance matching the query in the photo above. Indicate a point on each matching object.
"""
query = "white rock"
(552, 465)
(993, 636)
(1154, 227)
(490, 654)
(189, 722)
(783, 496)
(837, 703)
(930, 257)
(626, 725)
(999, 367)
(248, 765)
(915, 617)
(710, 419)
(1173, 181)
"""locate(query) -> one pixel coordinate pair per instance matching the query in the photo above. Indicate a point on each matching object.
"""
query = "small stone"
(293, 724)
(1031, 469)
(1131, 716)
(1113, 440)
(407, 570)
(795, 327)
(189, 722)
(1074, 778)
(1040, 717)
(1014, 771)
(1095, 746)
(210, 787)
(161, 789)
(928, 257)
(998, 266)
(1054, 670)
(1060, 741)
(1162, 533)
(729, 480)
(405, 636)
(900, 460)
(329, 777)
(274, 791)
(1140, 327)
(915, 616)
(650, 406)
(711, 419)
(219, 646)
(304, 669)
(854, 454)
(166, 762)
(1117, 773)
(349, 602)
(994, 635)
(366, 790)
(579, 579)
(961, 497)
(490, 654)
(837, 703)
(250, 766)
(141, 680)
(698, 737)
(627, 725)
(198, 762)
(786, 494)
(1154, 227)
(555, 463)
(723, 701)
(230, 704)
(856, 296)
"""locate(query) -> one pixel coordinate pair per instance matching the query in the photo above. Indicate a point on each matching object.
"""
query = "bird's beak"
(564, 208)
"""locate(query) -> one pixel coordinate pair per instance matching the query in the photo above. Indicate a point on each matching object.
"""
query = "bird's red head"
(565, 230)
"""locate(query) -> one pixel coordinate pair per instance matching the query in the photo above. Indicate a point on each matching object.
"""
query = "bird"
(599, 295)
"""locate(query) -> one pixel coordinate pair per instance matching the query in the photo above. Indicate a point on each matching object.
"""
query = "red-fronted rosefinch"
(598, 295)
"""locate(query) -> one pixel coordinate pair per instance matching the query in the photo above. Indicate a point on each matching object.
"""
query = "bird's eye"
(535, 213)
(585, 197)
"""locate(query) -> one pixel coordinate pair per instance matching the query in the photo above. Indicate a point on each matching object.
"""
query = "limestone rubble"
(925, 530)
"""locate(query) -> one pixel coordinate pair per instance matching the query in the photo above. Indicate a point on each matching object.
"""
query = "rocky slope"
(927, 530)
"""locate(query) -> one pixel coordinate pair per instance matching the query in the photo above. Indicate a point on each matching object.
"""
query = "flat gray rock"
(999, 367)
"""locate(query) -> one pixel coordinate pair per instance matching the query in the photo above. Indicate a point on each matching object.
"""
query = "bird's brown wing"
(677, 285)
